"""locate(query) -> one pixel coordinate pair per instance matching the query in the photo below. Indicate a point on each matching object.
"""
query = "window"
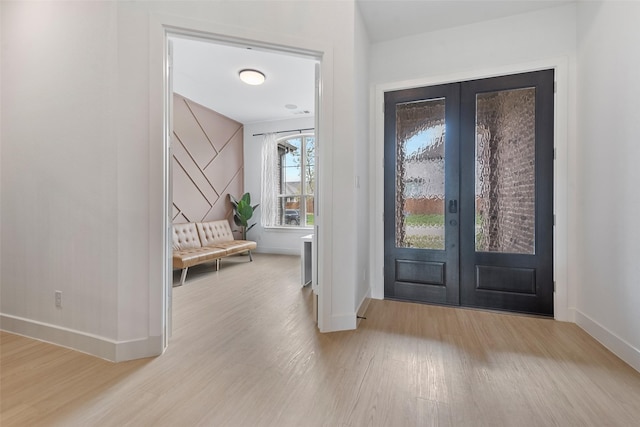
(296, 166)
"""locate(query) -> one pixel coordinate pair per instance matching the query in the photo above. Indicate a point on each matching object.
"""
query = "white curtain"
(270, 181)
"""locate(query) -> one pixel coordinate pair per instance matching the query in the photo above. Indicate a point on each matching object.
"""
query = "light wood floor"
(245, 352)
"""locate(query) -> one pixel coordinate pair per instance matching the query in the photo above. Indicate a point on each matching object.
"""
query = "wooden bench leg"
(183, 276)
(218, 264)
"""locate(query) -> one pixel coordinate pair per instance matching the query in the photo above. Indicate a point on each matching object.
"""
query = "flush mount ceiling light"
(252, 77)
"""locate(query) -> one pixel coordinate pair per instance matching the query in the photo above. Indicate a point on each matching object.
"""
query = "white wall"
(82, 158)
(477, 47)
(279, 240)
(608, 296)
(59, 171)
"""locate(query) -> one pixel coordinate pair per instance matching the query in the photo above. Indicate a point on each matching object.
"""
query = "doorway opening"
(213, 150)
(469, 192)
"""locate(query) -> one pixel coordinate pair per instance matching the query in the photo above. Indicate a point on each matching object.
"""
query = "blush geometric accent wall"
(208, 162)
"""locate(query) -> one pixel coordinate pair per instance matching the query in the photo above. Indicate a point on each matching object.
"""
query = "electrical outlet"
(59, 299)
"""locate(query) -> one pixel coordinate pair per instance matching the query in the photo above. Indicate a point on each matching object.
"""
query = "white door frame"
(161, 27)
(562, 311)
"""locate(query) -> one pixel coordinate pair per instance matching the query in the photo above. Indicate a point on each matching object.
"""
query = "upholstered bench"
(198, 242)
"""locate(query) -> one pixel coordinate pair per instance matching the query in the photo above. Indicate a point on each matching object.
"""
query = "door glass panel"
(505, 171)
(420, 174)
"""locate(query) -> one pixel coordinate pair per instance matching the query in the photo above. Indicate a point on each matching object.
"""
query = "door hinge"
(554, 220)
(554, 286)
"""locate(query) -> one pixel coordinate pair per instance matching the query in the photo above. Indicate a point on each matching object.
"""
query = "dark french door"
(469, 193)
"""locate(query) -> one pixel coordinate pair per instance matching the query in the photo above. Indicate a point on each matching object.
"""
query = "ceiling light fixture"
(252, 77)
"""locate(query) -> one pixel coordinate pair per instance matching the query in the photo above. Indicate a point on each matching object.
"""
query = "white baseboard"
(349, 321)
(343, 322)
(362, 309)
(138, 349)
(104, 348)
(364, 303)
(611, 341)
(277, 251)
(571, 315)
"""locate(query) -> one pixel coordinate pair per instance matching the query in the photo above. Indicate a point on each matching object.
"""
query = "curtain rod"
(284, 131)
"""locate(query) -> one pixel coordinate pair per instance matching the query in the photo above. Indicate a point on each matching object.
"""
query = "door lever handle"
(453, 206)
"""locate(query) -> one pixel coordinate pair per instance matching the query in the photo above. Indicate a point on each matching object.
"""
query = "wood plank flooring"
(245, 352)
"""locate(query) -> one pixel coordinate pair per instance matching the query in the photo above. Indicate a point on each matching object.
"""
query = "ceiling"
(392, 19)
(207, 72)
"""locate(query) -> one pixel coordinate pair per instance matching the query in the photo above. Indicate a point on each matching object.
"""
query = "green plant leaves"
(242, 212)
(245, 211)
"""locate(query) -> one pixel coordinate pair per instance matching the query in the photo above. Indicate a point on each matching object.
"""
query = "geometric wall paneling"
(203, 176)
(217, 127)
(186, 196)
(188, 130)
(195, 173)
(236, 186)
(223, 210)
(226, 164)
(180, 219)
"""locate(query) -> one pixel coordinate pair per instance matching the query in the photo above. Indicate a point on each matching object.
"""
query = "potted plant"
(242, 213)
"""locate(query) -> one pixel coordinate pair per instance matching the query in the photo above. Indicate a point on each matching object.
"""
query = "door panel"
(422, 157)
(469, 193)
(507, 140)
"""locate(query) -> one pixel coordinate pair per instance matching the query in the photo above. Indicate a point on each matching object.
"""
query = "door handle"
(453, 206)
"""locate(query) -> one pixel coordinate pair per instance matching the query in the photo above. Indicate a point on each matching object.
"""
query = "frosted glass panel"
(505, 171)
(420, 130)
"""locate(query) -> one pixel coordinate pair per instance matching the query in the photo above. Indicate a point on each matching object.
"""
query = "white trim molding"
(276, 250)
(104, 348)
(611, 341)
(342, 322)
(160, 26)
